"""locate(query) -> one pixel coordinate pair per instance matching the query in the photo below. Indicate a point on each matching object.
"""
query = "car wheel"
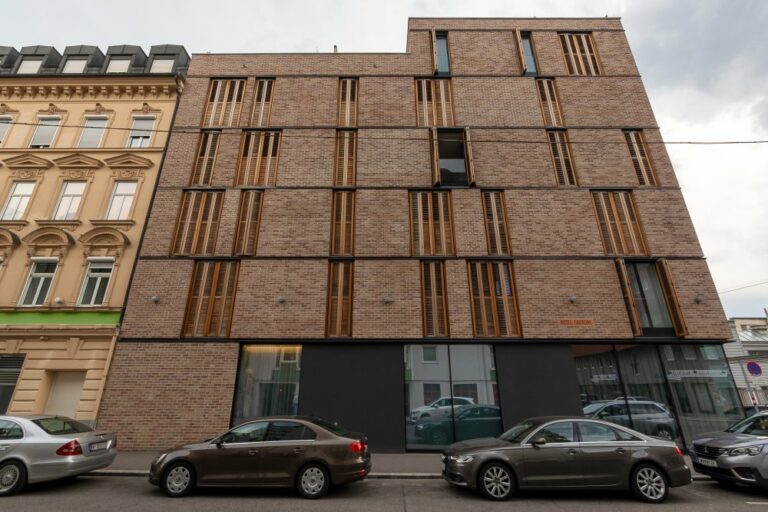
(649, 483)
(496, 482)
(178, 480)
(313, 481)
(665, 433)
(439, 436)
(13, 476)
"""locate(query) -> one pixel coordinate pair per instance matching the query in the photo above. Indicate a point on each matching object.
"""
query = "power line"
(426, 139)
(743, 287)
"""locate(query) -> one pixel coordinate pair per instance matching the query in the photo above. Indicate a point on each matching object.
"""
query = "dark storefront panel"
(536, 380)
(451, 395)
(358, 386)
(10, 367)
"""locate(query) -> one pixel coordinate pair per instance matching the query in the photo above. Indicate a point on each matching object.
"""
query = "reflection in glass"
(443, 64)
(450, 397)
(268, 382)
(453, 168)
(649, 297)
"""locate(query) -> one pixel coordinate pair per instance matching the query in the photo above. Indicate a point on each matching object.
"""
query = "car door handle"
(298, 450)
(621, 450)
(252, 452)
(573, 451)
(4, 447)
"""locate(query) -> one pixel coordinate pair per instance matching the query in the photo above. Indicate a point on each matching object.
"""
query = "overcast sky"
(704, 64)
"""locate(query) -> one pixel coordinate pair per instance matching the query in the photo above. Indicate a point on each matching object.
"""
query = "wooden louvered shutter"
(434, 305)
(561, 157)
(346, 158)
(258, 158)
(550, 107)
(494, 307)
(435, 151)
(434, 51)
(629, 298)
(262, 104)
(468, 157)
(339, 321)
(495, 223)
(639, 155)
(619, 226)
(202, 174)
(521, 52)
(347, 102)
(198, 223)
(670, 294)
(247, 223)
(342, 231)
(211, 298)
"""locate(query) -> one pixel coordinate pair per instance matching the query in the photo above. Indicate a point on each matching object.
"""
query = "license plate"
(708, 462)
(95, 447)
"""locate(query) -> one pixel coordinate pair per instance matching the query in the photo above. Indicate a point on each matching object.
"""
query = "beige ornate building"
(82, 138)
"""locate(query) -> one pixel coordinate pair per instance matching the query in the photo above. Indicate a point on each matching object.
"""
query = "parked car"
(40, 448)
(468, 422)
(647, 416)
(309, 454)
(736, 455)
(567, 453)
(440, 408)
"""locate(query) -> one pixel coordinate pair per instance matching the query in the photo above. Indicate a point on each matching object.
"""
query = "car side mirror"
(539, 441)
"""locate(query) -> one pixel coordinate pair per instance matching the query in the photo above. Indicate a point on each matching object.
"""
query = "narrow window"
(69, 200)
(248, 223)
(118, 65)
(45, 131)
(434, 106)
(494, 309)
(639, 154)
(348, 102)
(206, 158)
(121, 200)
(342, 232)
(211, 298)
(440, 53)
(258, 159)
(652, 303)
(93, 132)
(162, 65)
(141, 132)
(96, 282)
(39, 282)
(346, 158)
(527, 57)
(619, 225)
(431, 224)
(5, 124)
(29, 66)
(225, 100)
(428, 353)
(340, 298)
(550, 106)
(561, 157)
(16, 204)
(198, 222)
(452, 164)
(496, 223)
(262, 104)
(434, 306)
(74, 66)
(580, 55)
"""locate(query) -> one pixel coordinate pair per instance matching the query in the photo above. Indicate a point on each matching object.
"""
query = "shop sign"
(690, 374)
(576, 321)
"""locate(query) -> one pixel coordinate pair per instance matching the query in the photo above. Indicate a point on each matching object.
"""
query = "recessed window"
(550, 106)
(258, 159)
(339, 312)
(342, 232)
(428, 354)
(619, 226)
(247, 233)
(74, 66)
(93, 132)
(348, 102)
(442, 62)
(69, 201)
(346, 158)
(206, 158)
(211, 298)
(96, 282)
(561, 157)
(431, 224)
(580, 55)
(452, 158)
(225, 100)
(434, 306)
(29, 66)
(45, 131)
(639, 154)
(121, 201)
(434, 104)
(118, 65)
(5, 125)
(262, 104)
(162, 65)
(494, 308)
(141, 132)
(18, 199)
(495, 223)
(39, 282)
(198, 222)
(526, 54)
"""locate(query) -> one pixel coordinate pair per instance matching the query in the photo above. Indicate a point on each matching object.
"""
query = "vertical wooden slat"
(521, 52)
(433, 33)
(629, 298)
(468, 156)
(435, 151)
(673, 302)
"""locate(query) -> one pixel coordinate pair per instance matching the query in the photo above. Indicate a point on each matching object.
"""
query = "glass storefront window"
(450, 397)
(268, 382)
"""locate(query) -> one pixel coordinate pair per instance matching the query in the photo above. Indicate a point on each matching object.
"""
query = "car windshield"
(331, 427)
(519, 431)
(61, 426)
(591, 408)
(756, 426)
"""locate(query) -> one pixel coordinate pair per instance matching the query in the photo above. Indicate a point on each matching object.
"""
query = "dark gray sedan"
(567, 453)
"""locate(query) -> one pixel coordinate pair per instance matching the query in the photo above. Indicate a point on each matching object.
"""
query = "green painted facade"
(105, 318)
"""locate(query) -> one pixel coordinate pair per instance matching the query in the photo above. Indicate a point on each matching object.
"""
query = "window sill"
(63, 224)
(13, 224)
(125, 225)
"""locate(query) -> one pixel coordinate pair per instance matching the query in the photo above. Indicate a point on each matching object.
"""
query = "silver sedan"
(39, 448)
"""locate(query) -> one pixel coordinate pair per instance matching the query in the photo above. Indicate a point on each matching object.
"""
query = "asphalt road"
(117, 494)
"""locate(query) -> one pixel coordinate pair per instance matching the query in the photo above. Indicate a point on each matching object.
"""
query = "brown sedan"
(567, 453)
(290, 451)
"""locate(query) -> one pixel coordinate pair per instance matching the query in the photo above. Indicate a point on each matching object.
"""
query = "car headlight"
(746, 450)
(462, 459)
(160, 458)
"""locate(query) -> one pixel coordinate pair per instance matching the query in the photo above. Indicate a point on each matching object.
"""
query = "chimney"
(335, 49)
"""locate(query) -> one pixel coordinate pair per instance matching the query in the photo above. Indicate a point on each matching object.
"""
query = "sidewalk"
(385, 465)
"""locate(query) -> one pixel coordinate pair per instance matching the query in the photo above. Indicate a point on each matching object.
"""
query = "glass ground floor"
(425, 396)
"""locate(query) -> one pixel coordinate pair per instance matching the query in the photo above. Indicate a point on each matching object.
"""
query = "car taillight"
(357, 447)
(71, 448)
(678, 451)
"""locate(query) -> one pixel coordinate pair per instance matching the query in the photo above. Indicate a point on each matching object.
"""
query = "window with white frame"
(93, 132)
(5, 124)
(121, 201)
(428, 354)
(74, 66)
(16, 204)
(29, 66)
(69, 200)
(96, 282)
(118, 65)
(141, 132)
(39, 281)
(45, 131)
(162, 65)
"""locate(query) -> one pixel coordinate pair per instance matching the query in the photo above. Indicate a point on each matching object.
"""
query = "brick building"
(426, 246)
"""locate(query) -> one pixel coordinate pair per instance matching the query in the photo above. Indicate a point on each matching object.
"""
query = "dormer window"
(162, 65)
(118, 65)
(29, 66)
(74, 66)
